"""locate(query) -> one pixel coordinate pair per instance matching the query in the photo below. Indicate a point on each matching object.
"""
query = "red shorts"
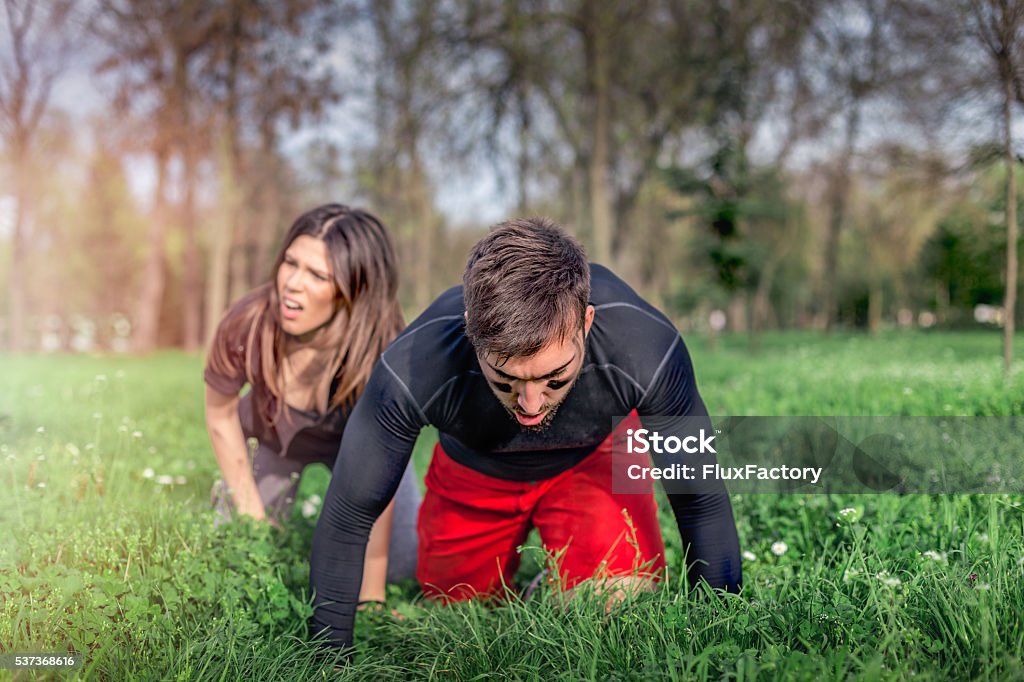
(470, 525)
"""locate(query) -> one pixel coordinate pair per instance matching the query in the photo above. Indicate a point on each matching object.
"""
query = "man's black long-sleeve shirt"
(635, 359)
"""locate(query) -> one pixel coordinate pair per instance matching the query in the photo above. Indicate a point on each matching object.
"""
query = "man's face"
(531, 388)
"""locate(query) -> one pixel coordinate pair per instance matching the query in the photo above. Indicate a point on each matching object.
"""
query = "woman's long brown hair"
(367, 314)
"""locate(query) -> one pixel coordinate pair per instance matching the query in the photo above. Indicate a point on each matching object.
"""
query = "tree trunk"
(154, 277)
(19, 248)
(217, 274)
(838, 194)
(191, 299)
(941, 302)
(226, 233)
(523, 160)
(875, 308)
(738, 312)
(762, 295)
(1010, 300)
(424, 224)
(578, 187)
(599, 84)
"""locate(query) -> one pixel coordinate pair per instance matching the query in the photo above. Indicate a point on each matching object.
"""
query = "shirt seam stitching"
(438, 392)
(639, 310)
(408, 393)
(661, 365)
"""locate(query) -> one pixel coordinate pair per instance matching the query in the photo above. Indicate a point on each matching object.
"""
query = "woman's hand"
(225, 431)
(375, 567)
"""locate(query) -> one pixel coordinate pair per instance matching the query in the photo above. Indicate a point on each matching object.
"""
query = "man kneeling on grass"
(524, 370)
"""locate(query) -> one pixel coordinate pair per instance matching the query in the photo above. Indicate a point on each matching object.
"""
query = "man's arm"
(704, 515)
(375, 450)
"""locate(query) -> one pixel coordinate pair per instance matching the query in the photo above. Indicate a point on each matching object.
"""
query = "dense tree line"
(832, 163)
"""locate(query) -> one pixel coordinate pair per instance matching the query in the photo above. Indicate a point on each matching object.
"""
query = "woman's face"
(305, 286)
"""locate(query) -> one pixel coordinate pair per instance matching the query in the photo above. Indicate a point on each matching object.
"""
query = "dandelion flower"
(779, 548)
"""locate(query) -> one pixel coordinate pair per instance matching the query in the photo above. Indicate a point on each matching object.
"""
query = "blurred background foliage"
(746, 165)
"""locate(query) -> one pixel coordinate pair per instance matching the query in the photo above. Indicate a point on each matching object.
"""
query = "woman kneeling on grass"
(306, 343)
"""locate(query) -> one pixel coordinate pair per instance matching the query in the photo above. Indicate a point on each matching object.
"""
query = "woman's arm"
(375, 568)
(232, 454)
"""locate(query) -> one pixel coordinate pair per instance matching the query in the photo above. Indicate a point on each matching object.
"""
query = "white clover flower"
(982, 586)
(164, 479)
(119, 374)
(136, 434)
(308, 509)
(849, 574)
(180, 480)
(907, 390)
(935, 556)
(849, 514)
(749, 556)
(72, 449)
(779, 548)
(983, 537)
(888, 580)
(41, 484)
(122, 429)
(1020, 561)
(97, 415)
(40, 429)
(101, 377)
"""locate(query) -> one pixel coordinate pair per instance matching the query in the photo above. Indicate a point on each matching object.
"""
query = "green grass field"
(110, 549)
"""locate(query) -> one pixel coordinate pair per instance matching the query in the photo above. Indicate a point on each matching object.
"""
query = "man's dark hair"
(527, 283)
